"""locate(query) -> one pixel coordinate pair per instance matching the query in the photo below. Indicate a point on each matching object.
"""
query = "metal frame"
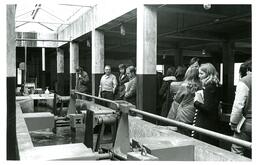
(34, 39)
(180, 124)
(98, 98)
(58, 23)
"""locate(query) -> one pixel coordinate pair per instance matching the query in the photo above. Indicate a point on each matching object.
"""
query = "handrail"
(195, 128)
(180, 124)
(99, 98)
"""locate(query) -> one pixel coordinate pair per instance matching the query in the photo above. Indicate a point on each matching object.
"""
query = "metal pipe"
(52, 15)
(76, 5)
(23, 14)
(103, 156)
(32, 39)
(42, 22)
(99, 98)
(198, 129)
(118, 157)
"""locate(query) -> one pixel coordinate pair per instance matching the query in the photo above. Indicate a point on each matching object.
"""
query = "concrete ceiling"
(188, 27)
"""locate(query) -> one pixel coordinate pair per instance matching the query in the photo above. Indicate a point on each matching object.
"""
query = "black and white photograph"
(127, 81)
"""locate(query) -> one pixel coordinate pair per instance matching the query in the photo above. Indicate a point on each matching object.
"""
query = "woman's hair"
(170, 71)
(248, 65)
(122, 66)
(180, 73)
(192, 79)
(193, 60)
(243, 70)
(211, 74)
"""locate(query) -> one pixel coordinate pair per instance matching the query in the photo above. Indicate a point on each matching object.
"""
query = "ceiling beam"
(185, 52)
(201, 45)
(200, 38)
(42, 22)
(216, 11)
(243, 45)
(76, 5)
(46, 26)
(209, 23)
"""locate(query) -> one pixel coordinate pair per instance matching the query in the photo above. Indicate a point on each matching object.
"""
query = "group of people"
(192, 96)
(189, 95)
(123, 88)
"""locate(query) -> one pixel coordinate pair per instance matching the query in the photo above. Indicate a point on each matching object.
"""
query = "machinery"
(113, 121)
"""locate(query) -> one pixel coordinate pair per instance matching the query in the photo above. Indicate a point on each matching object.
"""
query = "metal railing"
(98, 98)
(195, 128)
(181, 124)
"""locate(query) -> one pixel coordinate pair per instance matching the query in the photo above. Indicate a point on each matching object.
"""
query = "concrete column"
(74, 63)
(178, 57)
(97, 60)
(228, 58)
(146, 58)
(43, 69)
(25, 67)
(9, 12)
(60, 72)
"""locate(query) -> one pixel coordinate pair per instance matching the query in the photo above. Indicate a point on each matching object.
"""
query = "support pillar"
(97, 60)
(178, 58)
(228, 57)
(12, 149)
(25, 67)
(60, 72)
(74, 63)
(146, 59)
(43, 69)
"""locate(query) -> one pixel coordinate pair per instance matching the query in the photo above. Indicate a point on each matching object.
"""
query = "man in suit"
(130, 87)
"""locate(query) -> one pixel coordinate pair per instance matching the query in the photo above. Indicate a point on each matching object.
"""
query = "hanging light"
(35, 11)
(207, 6)
(88, 44)
(203, 52)
(122, 30)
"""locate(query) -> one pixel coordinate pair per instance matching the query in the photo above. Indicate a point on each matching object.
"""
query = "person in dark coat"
(82, 81)
(207, 102)
(164, 91)
(122, 79)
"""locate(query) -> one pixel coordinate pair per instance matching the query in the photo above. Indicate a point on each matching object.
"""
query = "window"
(236, 73)
(221, 73)
(19, 76)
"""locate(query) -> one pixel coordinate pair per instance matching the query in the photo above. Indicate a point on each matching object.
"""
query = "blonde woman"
(185, 99)
(207, 102)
